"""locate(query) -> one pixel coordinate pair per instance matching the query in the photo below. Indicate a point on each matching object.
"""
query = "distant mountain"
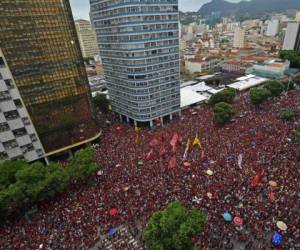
(249, 8)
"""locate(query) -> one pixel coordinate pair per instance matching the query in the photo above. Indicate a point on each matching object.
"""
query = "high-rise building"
(239, 38)
(272, 28)
(39, 42)
(18, 138)
(297, 18)
(87, 38)
(139, 46)
(292, 37)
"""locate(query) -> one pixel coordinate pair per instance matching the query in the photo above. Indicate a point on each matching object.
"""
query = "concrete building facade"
(18, 138)
(297, 18)
(139, 46)
(239, 38)
(272, 28)
(292, 37)
(40, 44)
(87, 38)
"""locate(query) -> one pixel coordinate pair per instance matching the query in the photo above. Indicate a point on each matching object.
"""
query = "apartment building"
(139, 47)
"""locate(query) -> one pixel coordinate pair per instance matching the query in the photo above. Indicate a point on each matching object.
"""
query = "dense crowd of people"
(244, 156)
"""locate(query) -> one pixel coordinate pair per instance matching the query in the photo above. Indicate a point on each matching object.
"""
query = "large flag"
(172, 162)
(176, 139)
(162, 137)
(240, 160)
(162, 152)
(202, 154)
(186, 149)
(137, 140)
(150, 155)
(153, 143)
(257, 179)
(197, 142)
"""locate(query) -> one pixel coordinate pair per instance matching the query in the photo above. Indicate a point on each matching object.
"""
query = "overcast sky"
(81, 7)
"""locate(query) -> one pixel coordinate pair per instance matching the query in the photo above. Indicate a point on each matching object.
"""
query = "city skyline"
(80, 8)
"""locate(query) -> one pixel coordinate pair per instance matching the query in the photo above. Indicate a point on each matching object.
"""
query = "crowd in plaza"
(253, 174)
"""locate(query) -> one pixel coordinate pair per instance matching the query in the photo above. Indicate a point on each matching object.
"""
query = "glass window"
(2, 64)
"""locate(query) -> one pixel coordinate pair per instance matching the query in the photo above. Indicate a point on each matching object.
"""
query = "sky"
(81, 7)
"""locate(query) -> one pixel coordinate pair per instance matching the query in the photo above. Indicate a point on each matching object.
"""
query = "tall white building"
(292, 37)
(139, 46)
(18, 138)
(272, 28)
(239, 38)
(297, 18)
(87, 38)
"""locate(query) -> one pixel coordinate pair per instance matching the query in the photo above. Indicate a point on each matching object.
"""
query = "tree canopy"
(225, 95)
(291, 55)
(259, 95)
(296, 81)
(275, 88)
(223, 112)
(101, 102)
(82, 165)
(23, 184)
(174, 228)
(288, 114)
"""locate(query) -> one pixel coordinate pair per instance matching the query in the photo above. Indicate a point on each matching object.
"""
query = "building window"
(18, 158)
(18, 103)
(10, 144)
(26, 121)
(4, 96)
(27, 148)
(3, 156)
(33, 137)
(9, 83)
(11, 115)
(19, 132)
(39, 152)
(1, 77)
(2, 64)
(4, 127)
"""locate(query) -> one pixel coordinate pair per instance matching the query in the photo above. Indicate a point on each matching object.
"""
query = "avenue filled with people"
(247, 168)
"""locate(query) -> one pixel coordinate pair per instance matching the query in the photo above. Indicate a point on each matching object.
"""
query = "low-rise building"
(273, 68)
(234, 67)
(202, 64)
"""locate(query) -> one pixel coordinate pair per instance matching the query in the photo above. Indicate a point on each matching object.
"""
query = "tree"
(275, 88)
(101, 102)
(82, 165)
(259, 95)
(223, 112)
(174, 227)
(23, 184)
(42, 182)
(296, 81)
(8, 170)
(288, 114)
(292, 56)
(225, 95)
(288, 85)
